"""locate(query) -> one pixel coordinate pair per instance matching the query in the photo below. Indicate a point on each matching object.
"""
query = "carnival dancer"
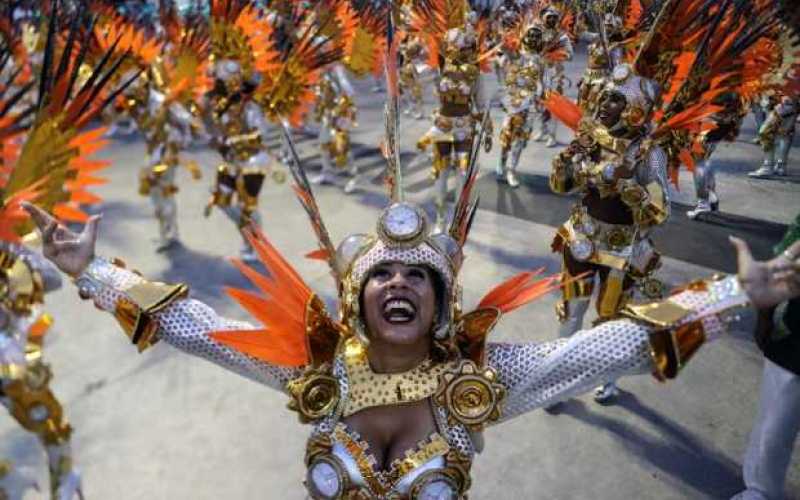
(605, 51)
(25, 376)
(268, 79)
(621, 159)
(234, 118)
(458, 55)
(728, 123)
(45, 158)
(556, 38)
(412, 56)
(336, 113)
(776, 136)
(523, 88)
(171, 79)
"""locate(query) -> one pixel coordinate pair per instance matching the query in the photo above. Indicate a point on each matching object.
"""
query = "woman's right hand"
(69, 251)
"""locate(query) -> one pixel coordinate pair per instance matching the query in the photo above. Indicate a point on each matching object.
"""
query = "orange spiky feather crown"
(431, 20)
(298, 331)
(52, 164)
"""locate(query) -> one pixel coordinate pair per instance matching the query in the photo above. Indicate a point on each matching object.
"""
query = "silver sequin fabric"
(186, 325)
(539, 375)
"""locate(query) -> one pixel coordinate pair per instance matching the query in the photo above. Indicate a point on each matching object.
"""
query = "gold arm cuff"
(670, 350)
(661, 314)
(135, 312)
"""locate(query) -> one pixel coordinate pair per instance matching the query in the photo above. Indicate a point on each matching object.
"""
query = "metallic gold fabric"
(369, 389)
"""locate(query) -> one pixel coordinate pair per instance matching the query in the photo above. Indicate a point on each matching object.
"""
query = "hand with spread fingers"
(770, 282)
(69, 251)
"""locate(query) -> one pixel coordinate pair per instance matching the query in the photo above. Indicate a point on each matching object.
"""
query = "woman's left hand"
(771, 282)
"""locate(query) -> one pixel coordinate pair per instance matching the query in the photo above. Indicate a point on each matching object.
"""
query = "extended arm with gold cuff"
(658, 338)
(150, 312)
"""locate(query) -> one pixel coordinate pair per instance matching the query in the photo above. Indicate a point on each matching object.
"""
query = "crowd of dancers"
(665, 82)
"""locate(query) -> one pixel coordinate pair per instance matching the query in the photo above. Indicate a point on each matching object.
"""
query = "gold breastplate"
(457, 83)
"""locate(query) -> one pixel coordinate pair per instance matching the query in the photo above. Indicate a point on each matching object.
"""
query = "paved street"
(163, 425)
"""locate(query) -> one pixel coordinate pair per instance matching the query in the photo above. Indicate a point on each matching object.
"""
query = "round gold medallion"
(314, 395)
(471, 395)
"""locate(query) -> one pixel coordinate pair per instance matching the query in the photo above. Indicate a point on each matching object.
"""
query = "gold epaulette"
(135, 312)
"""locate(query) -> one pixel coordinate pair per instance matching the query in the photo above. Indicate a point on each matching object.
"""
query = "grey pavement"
(163, 425)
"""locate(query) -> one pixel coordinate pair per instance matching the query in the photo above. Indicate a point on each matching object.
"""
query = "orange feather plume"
(280, 306)
(519, 290)
(566, 111)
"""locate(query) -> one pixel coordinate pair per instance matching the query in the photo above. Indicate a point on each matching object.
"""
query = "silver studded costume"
(555, 39)
(623, 184)
(336, 113)
(776, 136)
(24, 375)
(166, 126)
(523, 74)
(533, 375)
(239, 129)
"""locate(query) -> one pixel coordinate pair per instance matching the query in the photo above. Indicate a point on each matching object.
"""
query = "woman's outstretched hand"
(70, 252)
(770, 282)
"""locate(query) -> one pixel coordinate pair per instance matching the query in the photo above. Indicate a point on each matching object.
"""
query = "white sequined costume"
(534, 375)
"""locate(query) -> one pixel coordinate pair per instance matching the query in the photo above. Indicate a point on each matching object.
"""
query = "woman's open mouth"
(398, 310)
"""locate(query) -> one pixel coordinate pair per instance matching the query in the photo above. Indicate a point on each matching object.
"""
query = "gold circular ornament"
(471, 396)
(314, 395)
(652, 288)
(633, 195)
(401, 224)
(617, 238)
(279, 176)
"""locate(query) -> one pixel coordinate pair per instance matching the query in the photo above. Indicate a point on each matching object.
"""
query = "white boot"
(780, 169)
(328, 174)
(606, 393)
(703, 207)
(325, 176)
(765, 170)
(511, 179)
(500, 169)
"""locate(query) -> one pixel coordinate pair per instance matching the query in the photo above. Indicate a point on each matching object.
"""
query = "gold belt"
(614, 236)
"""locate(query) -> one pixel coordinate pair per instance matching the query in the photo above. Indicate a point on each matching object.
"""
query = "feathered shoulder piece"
(53, 164)
(296, 328)
(474, 327)
(697, 51)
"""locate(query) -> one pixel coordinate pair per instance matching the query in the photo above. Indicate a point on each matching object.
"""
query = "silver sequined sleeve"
(539, 375)
(184, 324)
